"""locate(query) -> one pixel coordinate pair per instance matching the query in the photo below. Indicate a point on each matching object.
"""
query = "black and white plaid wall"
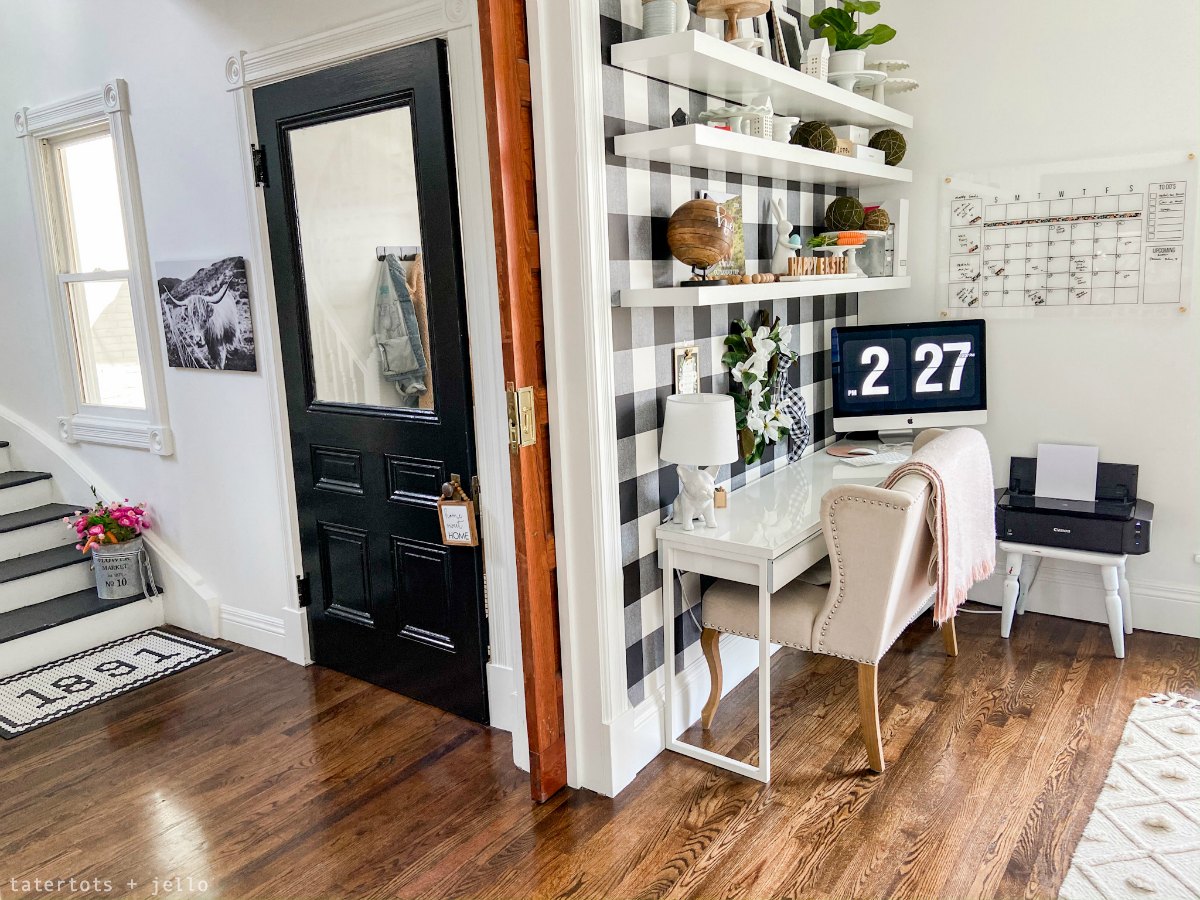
(641, 198)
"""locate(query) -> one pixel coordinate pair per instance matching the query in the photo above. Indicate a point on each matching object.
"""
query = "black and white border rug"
(47, 693)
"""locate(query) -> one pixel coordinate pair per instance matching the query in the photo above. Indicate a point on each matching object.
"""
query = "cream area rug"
(1143, 839)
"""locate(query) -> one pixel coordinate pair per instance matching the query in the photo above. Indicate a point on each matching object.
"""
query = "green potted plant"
(839, 25)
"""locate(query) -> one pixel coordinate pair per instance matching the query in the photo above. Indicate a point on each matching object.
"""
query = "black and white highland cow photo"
(206, 315)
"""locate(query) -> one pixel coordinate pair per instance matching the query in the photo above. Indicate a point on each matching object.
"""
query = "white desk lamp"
(699, 434)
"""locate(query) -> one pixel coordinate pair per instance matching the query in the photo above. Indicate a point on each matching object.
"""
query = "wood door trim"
(507, 96)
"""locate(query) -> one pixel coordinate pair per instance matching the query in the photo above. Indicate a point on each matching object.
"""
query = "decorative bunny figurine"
(695, 500)
(784, 249)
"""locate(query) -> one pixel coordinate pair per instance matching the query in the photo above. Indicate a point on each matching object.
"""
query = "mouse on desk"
(862, 451)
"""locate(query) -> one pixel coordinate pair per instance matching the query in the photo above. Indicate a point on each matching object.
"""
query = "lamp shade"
(699, 430)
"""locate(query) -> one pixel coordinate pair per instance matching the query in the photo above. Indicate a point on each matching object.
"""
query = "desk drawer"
(804, 555)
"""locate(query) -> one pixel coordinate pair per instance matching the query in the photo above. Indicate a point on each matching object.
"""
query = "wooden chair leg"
(868, 713)
(710, 643)
(950, 637)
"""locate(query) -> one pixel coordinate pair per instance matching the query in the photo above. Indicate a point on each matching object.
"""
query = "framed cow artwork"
(205, 308)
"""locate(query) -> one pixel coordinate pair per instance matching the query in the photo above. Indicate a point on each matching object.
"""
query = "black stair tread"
(38, 515)
(29, 620)
(15, 479)
(42, 561)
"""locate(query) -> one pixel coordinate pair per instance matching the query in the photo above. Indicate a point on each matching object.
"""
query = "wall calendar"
(1099, 236)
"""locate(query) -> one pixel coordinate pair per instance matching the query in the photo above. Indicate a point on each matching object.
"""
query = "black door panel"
(358, 156)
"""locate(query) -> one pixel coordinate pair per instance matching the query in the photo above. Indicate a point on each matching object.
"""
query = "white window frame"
(104, 109)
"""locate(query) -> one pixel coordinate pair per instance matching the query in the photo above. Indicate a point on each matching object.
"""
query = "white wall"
(216, 497)
(1023, 81)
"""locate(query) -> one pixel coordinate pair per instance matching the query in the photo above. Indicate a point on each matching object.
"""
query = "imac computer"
(897, 378)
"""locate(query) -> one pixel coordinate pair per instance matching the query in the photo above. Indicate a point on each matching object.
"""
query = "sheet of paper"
(1066, 471)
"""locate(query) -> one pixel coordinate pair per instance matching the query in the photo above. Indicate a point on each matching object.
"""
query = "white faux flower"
(755, 421)
(757, 362)
(775, 420)
(785, 336)
(763, 343)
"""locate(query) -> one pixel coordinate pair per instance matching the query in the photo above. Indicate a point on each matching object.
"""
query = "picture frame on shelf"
(735, 263)
(775, 35)
(790, 34)
(762, 30)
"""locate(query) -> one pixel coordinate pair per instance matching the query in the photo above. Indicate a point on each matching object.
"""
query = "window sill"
(117, 432)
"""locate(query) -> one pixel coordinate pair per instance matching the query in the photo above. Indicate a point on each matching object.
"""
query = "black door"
(363, 219)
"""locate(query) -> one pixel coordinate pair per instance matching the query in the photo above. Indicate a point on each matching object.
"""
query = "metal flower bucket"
(121, 569)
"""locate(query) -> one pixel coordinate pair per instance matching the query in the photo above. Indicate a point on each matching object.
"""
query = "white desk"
(769, 534)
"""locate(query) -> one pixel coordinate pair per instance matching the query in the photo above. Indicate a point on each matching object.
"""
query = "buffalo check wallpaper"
(641, 197)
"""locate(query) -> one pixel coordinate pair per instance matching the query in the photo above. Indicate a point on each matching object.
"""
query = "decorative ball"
(700, 234)
(815, 135)
(876, 219)
(892, 143)
(844, 214)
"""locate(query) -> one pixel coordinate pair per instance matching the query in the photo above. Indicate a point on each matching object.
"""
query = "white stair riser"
(82, 634)
(24, 541)
(45, 586)
(5, 460)
(25, 496)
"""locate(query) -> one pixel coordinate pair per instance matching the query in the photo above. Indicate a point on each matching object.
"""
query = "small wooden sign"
(457, 518)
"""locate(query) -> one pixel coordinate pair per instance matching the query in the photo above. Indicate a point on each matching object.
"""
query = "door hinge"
(522, 426)
(258, 160)
(302, 590)
(487, 609)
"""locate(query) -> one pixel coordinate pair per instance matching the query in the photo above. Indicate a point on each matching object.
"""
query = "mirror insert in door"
(355, 190)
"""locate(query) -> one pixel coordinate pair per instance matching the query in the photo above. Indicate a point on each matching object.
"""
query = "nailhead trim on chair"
(841, 572)
(754, 637)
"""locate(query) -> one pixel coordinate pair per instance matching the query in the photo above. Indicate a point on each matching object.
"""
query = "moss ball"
(844, 214)
(876, 219)
(816, 136)
(892, 143)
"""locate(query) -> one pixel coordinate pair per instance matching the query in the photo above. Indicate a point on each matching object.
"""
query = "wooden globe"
(844, 214)
(700, 234)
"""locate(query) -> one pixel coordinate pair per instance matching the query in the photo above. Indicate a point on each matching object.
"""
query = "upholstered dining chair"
(878, 578)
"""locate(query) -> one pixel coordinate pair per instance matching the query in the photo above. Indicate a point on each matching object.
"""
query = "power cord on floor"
(990, 611)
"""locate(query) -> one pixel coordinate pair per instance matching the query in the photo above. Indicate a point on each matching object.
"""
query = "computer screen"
(919, 374)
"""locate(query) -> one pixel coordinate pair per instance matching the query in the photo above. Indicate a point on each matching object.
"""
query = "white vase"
(847, 61)
(661, 17)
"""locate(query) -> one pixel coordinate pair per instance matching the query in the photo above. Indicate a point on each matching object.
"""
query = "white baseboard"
(1074, 592)
(253, 629)
(638, 734)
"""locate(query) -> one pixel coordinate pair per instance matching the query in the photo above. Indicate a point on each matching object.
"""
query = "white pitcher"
(661, 17)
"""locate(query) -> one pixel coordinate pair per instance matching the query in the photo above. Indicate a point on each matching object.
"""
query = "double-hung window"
(88, 208)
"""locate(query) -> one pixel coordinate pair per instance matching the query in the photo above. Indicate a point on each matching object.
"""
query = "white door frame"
(456, 21)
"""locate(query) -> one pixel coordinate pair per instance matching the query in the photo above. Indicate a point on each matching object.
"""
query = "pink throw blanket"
(959, 469)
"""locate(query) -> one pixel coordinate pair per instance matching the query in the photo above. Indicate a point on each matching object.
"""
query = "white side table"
(1112, 575)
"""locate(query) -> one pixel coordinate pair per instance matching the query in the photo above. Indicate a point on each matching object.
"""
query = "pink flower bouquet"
(111, 523)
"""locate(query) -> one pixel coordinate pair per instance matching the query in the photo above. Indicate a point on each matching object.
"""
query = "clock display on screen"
(934, 366)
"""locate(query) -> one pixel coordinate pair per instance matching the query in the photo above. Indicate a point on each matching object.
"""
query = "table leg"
(1027, 586)
(1126, 601)
(1112, 606)
(764, 673)
(1012, 589)
(668, 604)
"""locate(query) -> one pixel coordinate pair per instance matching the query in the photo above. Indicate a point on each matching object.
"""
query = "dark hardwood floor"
(263, 779)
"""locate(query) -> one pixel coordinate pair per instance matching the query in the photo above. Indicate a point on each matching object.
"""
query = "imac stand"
(897, 435)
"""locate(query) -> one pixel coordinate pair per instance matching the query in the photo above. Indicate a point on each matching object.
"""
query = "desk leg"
(1112, 606)
(668, 605)
(1126, 602)
(764, 674)
(1012, 589)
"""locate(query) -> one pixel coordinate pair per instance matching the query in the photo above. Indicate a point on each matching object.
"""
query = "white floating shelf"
(699, 61)
(716, 295)
(713, 148)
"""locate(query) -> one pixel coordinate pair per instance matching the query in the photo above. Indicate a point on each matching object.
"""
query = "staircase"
(48, 603)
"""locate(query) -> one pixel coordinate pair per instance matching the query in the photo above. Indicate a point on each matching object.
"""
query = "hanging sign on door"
(456, 514)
